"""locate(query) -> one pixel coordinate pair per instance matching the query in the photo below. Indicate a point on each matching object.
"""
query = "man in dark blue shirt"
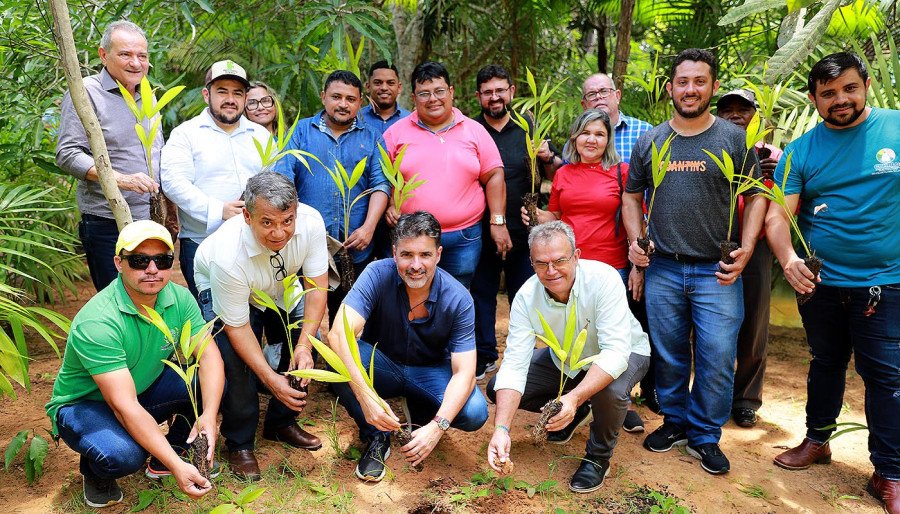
(422, 321)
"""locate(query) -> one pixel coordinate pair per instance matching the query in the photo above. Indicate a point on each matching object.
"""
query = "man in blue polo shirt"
(423, 322)
(383, 89)
(337, 133)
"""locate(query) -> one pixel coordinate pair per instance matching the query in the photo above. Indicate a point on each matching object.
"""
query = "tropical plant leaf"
(129, 101)
(749, 8)
(225, 508)
(330, 356)
(146, 498)
(34, 459)
(157, 321)
(549, 336)
(249, 494)
(786, 58)
(15, 445)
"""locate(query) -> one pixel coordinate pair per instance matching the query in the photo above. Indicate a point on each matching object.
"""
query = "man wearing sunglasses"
(616, 349)
(274, 237)
(113, 388)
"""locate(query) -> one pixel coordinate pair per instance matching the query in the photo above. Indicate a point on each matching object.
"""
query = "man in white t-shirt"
(276, 236)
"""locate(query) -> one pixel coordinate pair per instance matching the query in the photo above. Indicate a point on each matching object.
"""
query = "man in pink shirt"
(461, 167)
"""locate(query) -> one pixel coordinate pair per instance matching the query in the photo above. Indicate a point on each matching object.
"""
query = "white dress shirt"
(600, 305)
(203, 167)
(231, 263)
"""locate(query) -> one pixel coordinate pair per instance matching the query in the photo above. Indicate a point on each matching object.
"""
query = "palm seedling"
(274, 150)
(345, 183)
(149, 111)
(659, 165)
(738, 183)
(569, 354)
(402, 189)
(293, 293)
(535, 134)
(185, 361)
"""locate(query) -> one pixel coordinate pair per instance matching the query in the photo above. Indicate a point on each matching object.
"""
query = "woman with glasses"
(261, 106)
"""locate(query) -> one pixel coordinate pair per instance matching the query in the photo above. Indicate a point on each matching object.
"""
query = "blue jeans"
(107, 450)
(836, 327)
(486, 284)
(98, 238)
(423, 387)
(186, 260)
(461, 251)
(240, 402)
(680, 297)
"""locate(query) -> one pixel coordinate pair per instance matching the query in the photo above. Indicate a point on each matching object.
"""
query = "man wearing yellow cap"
(113, 388)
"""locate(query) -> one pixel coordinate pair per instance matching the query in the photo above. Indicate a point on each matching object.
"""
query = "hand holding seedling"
(190, 481)
(391, 214)
(377, 415)
(206, 425)
(565, 416)
(542, 216)
(732, 271)
(360, 238)
(638, 256)
(138, 182)
(303, 359)
(281, 389)
(799, 276)
(424, 440)
(498, 449)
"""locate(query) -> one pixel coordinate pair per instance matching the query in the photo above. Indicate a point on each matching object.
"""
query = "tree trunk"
(623, 42)
(62, 26)
(409, 29)
(602, 51)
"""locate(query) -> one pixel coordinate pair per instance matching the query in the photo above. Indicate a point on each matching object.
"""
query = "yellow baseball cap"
(137, 232)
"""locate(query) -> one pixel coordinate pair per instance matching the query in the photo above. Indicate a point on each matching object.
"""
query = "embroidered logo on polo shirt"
(887, 161)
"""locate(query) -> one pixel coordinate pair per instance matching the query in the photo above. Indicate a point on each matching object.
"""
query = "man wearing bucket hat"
(113, 389)
(208, 159)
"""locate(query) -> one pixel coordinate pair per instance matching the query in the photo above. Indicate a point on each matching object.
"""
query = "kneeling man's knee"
(474, 413)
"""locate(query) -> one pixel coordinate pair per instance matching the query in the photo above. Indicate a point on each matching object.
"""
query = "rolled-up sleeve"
(613, 327)
(177, 174)
(513, 373)
(72, 149)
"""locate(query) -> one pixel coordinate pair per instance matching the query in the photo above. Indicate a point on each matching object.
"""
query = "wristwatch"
(442, 423)
(498, 219)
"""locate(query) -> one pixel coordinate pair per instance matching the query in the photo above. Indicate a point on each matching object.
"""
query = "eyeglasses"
(140, 261)
(277, 262)
(557, 264)
(265, 102)
(439, 93)
(489, 93)
(600, 93)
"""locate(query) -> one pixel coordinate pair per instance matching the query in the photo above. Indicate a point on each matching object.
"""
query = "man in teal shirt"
(845, 175)
(113, 389)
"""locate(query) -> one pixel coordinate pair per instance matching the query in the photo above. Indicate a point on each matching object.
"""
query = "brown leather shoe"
(294, 436)
(888, 491)
(801, 457)
(243, 464)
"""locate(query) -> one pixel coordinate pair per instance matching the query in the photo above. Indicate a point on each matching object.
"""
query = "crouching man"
(113, 389)
(423, 321)
(528, 378)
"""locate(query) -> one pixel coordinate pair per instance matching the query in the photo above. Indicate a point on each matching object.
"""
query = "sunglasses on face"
(140, 261)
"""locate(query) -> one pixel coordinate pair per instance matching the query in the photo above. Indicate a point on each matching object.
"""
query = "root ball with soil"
(199, 450)
(815, 265)
(550, 409)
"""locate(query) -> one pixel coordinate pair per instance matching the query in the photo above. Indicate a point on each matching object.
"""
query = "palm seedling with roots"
(659, 165)
(185, 362)
(569, 354)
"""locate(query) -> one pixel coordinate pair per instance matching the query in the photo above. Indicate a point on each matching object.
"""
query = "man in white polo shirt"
(207, 160)
(276, 236)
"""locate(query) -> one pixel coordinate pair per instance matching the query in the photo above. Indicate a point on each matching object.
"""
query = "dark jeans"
(753, 338)
(486, 284)
(461, 249)
(423, 387)
(608, 406)
(98, 238)
(240, 403)
(107, 450)
(186, 260)
(836, 327)
(336, 297)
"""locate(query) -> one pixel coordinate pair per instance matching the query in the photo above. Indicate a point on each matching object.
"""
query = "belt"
(687, 259)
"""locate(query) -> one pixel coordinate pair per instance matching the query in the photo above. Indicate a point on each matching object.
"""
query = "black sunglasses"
(140, 261)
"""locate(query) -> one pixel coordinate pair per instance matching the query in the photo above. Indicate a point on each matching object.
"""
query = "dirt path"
(323, 481)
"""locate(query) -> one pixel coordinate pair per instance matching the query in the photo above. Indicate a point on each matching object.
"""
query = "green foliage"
(540, 109)
(659, 166)
(776, 195)
(293, 293)
(884, 71)
(238, 503)
(34, 455)
(148, 112)
(844, 428)
(274, 150)
(484, 484)
(569, 351)
(345, 183)
(402, 189)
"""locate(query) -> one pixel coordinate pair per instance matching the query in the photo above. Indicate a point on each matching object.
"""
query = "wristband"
(502, 427)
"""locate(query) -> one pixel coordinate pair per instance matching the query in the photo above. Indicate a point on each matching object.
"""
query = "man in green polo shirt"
(113, 389)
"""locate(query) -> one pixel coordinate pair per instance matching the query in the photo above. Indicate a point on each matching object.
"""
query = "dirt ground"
(323, 481)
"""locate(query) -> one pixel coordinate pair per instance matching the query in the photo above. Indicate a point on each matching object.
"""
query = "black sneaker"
(744, 417)
(711, 458)
(590, 474)
(483, 368)
(633, 423)
(156, 469)
(665, 438)
(565, 435)
(99, 493)
(371, 465)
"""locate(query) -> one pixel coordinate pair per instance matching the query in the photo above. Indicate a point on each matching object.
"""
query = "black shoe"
(565, 435)
(711, 458)
(483, 368)
(744, 417)
(371, 465)
(665, 438)
(590, 474)
(633, 423)
(99, 493)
